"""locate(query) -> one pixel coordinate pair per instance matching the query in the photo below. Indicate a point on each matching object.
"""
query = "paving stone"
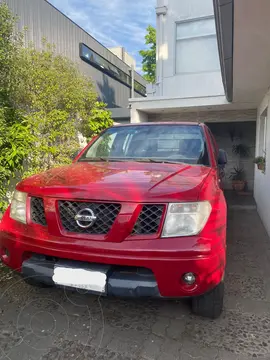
(193, 350)
(247, 305)
(176, 328)
(89, 327)
(127, 341)
(151, 348)
(245, 286)
(102, 337)
(240, 333)
(75, 350)
(226, 355)
(170, 350)
(160, 326)
(9, 338)
(174, 308)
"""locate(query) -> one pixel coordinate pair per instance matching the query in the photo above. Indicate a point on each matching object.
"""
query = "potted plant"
(260, 161)
(238, 178)
(241, 151)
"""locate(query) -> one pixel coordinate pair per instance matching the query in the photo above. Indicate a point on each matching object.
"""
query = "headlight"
(186, 219)
(18, 206)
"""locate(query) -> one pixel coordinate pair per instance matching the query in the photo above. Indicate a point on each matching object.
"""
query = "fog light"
(189, 278)
(6, 253)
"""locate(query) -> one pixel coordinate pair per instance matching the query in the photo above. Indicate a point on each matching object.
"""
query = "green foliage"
(44, 103)
(97, 120)
(149, 55)
(259, 160)
(237, 173)
(15, 138)
(10, 41)
(241, 150)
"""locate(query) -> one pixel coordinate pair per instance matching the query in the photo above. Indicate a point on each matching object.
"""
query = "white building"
(120, 52)
(213, 66)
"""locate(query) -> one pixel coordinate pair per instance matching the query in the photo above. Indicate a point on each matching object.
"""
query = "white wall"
(182, 85)
(138, 116)
(120, 52)
(262, 181)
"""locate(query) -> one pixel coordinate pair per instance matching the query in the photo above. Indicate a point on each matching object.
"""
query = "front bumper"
(122, 282)
(167, 259)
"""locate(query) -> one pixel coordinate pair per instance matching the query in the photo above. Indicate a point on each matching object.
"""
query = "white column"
(137, 116)
(161, 11)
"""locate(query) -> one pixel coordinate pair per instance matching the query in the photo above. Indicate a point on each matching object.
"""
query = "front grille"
(149, 220)
(105, 216)
(37, 211)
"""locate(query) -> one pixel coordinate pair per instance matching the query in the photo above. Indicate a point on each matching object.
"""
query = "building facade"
(124, 56)
(111, 75)
(185, 28)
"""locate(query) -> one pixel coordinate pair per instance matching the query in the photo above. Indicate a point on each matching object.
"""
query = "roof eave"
(224, 16)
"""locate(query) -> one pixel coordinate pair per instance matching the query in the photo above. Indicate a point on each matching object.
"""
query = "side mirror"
(222, 157)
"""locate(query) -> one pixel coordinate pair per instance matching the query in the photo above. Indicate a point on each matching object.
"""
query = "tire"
(209, 305)
(34, 283)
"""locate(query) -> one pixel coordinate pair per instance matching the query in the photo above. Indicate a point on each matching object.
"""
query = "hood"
(119, 181)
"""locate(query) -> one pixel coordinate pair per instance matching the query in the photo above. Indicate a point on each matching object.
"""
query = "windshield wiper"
(97, 159)
(145, 160)
(104, 159)
(157, 161)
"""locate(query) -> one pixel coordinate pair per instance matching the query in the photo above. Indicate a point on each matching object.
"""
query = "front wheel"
(210, 304)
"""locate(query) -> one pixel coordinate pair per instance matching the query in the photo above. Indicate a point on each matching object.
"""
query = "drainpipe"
(161, 12)
(132, 92)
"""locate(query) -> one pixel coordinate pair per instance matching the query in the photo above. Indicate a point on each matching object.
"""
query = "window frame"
(190, 20)
(204, 136)
(108, 68)
(262, 147)
(214, 145)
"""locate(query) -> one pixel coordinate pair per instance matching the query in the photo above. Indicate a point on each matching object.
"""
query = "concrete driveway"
(49, 324)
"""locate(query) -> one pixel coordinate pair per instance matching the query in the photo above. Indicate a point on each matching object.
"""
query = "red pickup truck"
(140, 212)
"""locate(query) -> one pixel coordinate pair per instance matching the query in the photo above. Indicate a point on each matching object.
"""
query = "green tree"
(58, 102)
(15, 138)
(149, 55)
(98, 118)
(44, 103)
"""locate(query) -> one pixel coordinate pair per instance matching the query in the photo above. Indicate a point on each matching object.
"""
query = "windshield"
(156, 143)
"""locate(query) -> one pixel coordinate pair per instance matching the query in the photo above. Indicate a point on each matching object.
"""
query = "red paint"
(132, 184)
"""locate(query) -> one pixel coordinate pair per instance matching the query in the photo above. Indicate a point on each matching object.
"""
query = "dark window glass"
(139, 88)
(157, 143)
(93, 58)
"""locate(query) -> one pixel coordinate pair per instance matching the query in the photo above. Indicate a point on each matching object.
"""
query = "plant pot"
(261, 166)
(238, 185)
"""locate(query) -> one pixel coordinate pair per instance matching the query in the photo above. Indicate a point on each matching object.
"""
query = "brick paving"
(50, 324)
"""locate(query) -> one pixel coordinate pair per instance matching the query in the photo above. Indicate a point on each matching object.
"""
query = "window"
(262, 133)
(153, 143)
(89, 56)
(196, 46)
(141, 89)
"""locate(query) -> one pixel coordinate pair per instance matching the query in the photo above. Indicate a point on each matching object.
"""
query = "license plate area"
(92, 278)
